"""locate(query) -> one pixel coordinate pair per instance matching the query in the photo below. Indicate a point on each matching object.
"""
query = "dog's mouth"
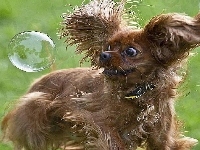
(116, 72)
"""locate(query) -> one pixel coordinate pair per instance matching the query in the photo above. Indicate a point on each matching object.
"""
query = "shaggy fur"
(126, 102)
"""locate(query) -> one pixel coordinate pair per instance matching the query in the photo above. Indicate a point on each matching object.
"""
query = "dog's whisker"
(121, 69)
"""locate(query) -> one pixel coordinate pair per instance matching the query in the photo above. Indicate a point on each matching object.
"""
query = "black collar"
(140, 90)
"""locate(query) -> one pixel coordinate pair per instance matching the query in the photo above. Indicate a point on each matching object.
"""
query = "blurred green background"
(45, 16)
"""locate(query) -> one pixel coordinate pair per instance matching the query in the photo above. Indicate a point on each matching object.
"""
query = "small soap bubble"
(31, 51)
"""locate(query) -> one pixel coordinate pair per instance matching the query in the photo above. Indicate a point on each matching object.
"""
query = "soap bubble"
(31, 51)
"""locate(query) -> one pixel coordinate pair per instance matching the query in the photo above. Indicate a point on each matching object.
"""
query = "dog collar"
(140, 90)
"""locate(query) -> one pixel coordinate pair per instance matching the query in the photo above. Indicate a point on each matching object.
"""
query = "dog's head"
(127, 55)
(101, 33)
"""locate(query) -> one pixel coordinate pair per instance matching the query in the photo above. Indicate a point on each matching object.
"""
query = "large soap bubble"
(31, 51)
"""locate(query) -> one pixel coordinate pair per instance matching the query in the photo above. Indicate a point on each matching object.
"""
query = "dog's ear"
(90, 26)
(172, 36)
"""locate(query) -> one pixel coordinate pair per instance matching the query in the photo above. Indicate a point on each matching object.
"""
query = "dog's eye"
(131, 52)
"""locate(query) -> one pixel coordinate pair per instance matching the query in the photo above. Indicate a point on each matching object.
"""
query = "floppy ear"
(90, 26)
(173, 36)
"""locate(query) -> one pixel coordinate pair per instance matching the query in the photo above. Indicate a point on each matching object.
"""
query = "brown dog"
(128, 104)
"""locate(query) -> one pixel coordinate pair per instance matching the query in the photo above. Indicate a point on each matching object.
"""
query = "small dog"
(125, 101)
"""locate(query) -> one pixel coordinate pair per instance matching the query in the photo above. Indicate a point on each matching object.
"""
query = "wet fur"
(86, 108)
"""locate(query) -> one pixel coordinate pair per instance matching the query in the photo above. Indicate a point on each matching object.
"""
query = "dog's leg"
(185, 143)
(162, 133)
(165, 135)
(37, 123)
(26, 125)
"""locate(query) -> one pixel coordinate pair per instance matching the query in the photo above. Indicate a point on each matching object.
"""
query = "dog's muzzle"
(105, 60)
(111, 72)
(104, 57)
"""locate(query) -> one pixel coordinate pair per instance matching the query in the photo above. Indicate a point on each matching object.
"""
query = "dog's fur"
(129, 103)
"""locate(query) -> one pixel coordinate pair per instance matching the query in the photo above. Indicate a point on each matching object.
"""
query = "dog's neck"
(130, 91)
(140, 90)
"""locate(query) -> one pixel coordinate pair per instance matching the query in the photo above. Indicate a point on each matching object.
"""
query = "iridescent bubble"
(31, 51)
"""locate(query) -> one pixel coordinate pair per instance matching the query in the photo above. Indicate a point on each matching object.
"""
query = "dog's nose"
(104, 56)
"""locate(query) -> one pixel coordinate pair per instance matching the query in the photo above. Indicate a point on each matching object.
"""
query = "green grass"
(45, 16)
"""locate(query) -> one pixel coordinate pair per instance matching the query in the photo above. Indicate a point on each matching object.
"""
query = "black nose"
(104, 56)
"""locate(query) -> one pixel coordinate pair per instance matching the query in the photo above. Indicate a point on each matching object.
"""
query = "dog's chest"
(129, 119)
